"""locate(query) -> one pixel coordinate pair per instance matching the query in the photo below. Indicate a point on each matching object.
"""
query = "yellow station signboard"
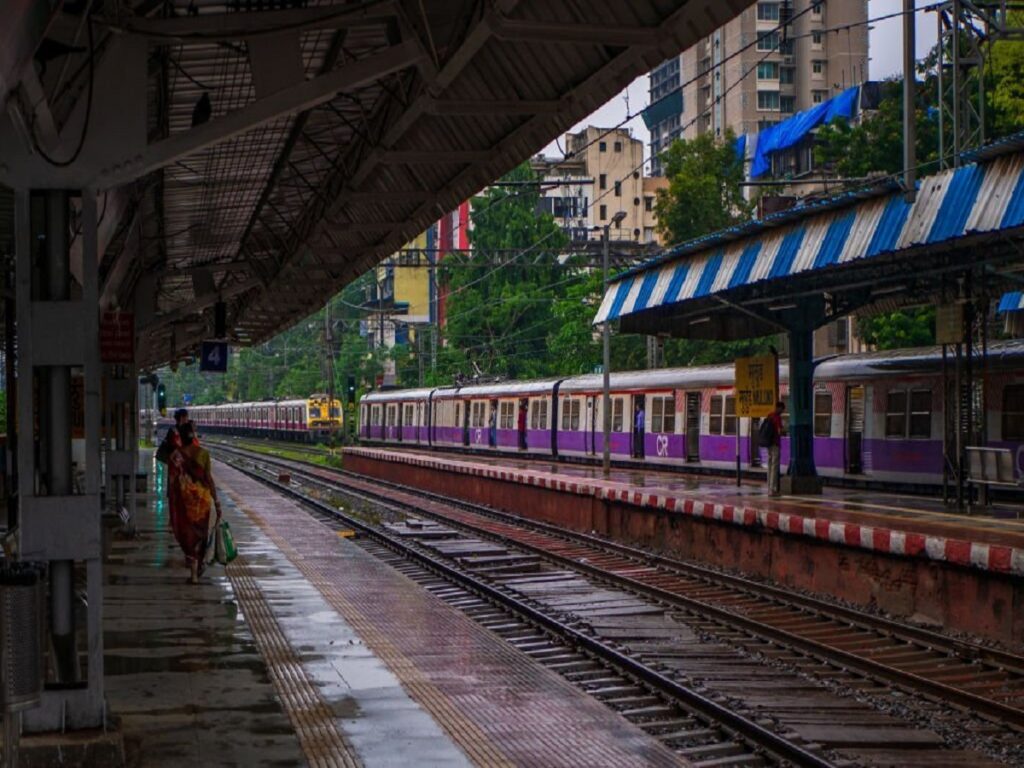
(757, 385)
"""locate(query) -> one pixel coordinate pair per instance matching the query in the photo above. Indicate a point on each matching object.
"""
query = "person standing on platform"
(192, 497)
(770, 437)
(639, 424)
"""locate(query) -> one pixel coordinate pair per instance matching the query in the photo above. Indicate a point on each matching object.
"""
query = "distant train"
(877, 416)
(308, 420)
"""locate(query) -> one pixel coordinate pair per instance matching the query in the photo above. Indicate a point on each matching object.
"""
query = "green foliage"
(875, 145)
(704, 192)
(894, 330)
(501, 298)
(1005, 82)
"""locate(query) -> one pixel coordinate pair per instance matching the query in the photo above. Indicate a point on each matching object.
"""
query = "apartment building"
(603, 176)
(820, 50)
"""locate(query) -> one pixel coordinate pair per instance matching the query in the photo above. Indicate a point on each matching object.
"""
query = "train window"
(822, 414)
(507, 416)
(539, 414)
(477, 414)
(1013, 412)
(729, 419)
(715, 419)
(618, 408)
(663, 415)
(921, 413)
(896, 413)
(410, 419)
(575, 421)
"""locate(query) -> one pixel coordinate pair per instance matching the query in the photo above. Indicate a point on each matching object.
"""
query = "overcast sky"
(885, 58)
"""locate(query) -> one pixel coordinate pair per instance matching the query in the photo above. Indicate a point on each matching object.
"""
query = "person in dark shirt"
(172, 440)
(774, 448)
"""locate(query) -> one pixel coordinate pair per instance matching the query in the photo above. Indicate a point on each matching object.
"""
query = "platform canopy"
(267, 153)
(864, 250)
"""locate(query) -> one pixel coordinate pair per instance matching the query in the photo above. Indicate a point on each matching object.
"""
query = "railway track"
(770, 621)
(702, 731)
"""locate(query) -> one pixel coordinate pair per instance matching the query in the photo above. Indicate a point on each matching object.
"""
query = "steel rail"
(756, 735)
(908, 680)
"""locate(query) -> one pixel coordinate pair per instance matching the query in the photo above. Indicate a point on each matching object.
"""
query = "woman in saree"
(192, 496)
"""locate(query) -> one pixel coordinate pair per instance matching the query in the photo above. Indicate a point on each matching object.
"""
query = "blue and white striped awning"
(976, 198)
(1012, 301)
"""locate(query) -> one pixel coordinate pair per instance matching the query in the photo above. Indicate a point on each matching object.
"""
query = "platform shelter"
(957, 244)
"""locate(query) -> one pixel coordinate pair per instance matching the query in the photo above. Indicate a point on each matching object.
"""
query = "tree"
(704, 192)
(500, 308)
(875, 144)
(893, 330)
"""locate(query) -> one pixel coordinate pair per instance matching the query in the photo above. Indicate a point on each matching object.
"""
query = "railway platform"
(309, 650)
(903, 554)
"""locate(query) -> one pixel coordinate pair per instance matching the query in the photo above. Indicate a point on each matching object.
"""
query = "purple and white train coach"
(877, 416)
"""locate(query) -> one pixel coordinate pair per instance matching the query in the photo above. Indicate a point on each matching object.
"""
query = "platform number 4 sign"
(214, 356)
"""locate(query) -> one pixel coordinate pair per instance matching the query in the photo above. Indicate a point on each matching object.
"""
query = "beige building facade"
(604, 176)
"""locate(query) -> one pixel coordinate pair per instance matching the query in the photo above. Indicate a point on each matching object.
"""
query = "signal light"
(350, 389)
(161, 399)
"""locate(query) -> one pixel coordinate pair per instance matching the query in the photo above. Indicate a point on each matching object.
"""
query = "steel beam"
(520, 30)
(236, 26)
(304, 96)
(469, 107)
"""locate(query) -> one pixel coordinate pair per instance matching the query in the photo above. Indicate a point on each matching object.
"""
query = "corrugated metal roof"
(983, 197)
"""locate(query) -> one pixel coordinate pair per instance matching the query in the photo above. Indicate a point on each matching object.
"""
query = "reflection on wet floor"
(182, 671)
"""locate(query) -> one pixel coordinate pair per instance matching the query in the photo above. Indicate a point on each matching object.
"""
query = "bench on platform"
(988, 468)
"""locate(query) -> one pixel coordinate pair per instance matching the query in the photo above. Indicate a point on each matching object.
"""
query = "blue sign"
(214, 356)
(186, 399)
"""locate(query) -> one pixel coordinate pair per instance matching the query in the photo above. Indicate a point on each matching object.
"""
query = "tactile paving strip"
(313, 720)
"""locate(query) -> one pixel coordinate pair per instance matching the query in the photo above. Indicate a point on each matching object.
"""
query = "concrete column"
(55, 399)
(802, 476)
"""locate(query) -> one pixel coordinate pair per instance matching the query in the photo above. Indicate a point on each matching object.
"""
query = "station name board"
(757, 385)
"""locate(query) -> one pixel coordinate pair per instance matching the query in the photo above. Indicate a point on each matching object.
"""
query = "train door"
(639, 425)
(419, 420)
(693, 426)
(592, 425)
(855, 429)
(399, 408)
(465, 423)
(522, 420)
(755, 447)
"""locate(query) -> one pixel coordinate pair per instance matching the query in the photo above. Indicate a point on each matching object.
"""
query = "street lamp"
(606, 399)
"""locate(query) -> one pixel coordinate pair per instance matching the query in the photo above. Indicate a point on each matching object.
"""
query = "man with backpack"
(770, 436)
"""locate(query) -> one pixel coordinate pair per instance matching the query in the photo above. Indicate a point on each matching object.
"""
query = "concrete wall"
(963, 599)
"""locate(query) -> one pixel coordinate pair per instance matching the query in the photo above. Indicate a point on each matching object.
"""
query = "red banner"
(117, 337)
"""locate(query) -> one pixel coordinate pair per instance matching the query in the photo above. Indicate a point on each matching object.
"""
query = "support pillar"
(802, 475)
(59, 509)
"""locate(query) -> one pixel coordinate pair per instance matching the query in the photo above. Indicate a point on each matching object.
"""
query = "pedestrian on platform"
(172, 440)
(193, 497)
(770, 437)
(639, 425)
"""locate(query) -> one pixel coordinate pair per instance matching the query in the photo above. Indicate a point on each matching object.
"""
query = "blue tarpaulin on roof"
(663, 108)
(789, 132)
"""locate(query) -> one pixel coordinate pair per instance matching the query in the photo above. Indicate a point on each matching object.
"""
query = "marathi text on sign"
(757, 385)
(117, 337)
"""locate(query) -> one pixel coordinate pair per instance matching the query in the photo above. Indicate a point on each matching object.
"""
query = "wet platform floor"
(307, 650)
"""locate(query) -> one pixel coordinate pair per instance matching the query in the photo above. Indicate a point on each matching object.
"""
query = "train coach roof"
(896, 361)
(661, 378)
(395, 395)
(504, 389)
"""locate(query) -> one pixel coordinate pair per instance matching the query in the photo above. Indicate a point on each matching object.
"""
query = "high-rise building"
(723, 84)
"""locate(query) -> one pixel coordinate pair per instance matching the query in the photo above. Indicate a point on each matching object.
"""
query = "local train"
(877, 416)
(308, 420)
